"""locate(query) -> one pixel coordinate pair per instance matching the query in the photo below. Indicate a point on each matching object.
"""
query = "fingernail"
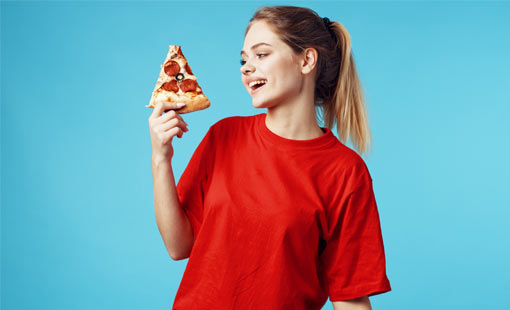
(180, 105)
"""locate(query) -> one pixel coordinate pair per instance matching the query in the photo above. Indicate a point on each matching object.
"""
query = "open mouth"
(255, 85)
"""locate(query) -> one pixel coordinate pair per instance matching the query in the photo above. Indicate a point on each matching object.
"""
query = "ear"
(309, 60)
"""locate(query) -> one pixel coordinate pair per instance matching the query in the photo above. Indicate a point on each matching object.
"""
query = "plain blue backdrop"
(78, 229)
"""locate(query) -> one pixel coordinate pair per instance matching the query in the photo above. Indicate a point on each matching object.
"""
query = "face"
(269, 61)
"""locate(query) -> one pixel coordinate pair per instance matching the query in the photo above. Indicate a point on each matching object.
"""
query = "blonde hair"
(338, 91)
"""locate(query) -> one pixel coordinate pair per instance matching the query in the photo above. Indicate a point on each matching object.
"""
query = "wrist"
(161, 160)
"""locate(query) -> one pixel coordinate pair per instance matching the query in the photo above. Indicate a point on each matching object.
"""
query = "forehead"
(260, 33)
(260, 29)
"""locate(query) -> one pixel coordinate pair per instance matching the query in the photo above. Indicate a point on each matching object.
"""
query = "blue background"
(78, 229)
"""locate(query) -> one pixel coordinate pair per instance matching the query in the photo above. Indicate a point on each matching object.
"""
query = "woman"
(273, 211)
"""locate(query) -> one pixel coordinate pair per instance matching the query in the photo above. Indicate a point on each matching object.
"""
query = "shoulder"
(350, 166)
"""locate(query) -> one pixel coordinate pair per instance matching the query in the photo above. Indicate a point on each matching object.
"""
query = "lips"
(256, 88)
(255, 84)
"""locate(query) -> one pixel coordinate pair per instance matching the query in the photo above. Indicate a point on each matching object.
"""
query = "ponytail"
(346, 107)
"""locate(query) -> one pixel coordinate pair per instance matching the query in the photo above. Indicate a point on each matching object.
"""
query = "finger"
(158, 109)
(176, 131)
(171, 115)
(165, 106)
(182, 119)
(180, 133)
(173, 105)
(168, 116)
(174, 122)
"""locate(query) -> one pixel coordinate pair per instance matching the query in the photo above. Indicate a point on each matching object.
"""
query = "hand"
(163, 128)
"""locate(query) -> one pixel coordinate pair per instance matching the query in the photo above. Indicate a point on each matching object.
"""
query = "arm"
(173, 224)
(362, 303)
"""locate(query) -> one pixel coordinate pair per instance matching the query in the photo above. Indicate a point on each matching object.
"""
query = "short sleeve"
(192, 184)
(353, 260)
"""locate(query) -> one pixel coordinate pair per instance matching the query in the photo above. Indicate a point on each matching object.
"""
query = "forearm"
(173, 224)
(362, 303)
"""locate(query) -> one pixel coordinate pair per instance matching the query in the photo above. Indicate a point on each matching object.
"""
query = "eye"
(243, 62)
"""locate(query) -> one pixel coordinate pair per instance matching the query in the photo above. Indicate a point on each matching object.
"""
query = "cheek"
(289, 75)
(280, 71)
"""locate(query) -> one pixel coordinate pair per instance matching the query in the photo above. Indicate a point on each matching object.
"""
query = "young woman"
(273, 211)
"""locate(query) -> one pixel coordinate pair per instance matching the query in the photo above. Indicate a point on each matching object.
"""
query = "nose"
(247, 68)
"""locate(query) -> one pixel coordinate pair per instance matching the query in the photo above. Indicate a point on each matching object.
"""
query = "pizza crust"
(194, 102)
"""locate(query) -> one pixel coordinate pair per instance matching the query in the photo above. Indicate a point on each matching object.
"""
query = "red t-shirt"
(278, 223)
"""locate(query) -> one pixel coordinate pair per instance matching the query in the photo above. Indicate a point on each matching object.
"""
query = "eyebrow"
(254, 46)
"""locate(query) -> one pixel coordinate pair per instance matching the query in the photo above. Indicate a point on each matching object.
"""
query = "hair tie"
(326, 21)
(328, 24)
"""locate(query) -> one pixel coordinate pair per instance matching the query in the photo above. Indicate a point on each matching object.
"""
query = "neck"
(294, 119)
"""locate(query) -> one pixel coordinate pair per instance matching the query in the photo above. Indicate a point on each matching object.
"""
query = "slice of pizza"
(177, 83)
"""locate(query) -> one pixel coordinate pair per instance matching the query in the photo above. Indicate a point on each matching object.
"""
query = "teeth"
(257, 82)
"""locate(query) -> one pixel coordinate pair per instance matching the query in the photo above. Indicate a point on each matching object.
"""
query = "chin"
(258, 105)
(261, 102)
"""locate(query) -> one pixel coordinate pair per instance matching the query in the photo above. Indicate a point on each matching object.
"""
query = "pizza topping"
(188, 69)
(179, 77)
(173, 56)
(172, 68)
(171, 86)
(188, 85)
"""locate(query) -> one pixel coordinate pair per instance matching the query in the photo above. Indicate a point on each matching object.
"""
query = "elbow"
(175, 256)
(182, 249)
(178, 256)
(362, 303)
(181, 253)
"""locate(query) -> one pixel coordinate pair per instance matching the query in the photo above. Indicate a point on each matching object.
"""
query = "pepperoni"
(171, 86)
(179, 51)
(188, 85)
(188, 69)
(172, 68)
